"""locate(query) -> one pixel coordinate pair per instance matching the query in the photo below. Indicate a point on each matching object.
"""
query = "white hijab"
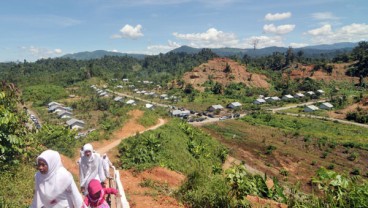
(89, 165)
(57, 179)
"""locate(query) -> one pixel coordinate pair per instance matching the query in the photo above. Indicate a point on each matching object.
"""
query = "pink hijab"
(94, 186)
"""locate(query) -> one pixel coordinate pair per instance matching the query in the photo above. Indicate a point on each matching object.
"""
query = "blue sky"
(33, 29)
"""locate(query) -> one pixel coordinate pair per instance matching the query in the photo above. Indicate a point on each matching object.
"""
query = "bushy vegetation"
(337, 190)
(41, 95)
(149, 118)
(176, 145)
(17, 186)
(184, 148)
(359, 115)
(16, 145)
(340, 133)
(59, 138)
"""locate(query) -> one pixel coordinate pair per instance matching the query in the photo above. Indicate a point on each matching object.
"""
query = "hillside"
(338, 73)
(99, 54)
(330, 50)
(214, 70)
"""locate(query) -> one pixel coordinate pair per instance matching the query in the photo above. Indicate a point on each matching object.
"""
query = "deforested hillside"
(223, 71)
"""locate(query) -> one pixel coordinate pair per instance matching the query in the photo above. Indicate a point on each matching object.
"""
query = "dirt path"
(124, 133)
(138, 195)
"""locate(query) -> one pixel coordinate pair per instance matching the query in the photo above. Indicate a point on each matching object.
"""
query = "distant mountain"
(100, 54)
(335, 46)
(309, 51)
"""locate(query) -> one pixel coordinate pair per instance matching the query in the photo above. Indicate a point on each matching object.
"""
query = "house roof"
(54, 107)
(73, 121)
(180, 112)
(288, 96)
(149, 105)
(217, 107)
(312, 107)
(236, 104)
(260, 100)
(63, 112)
(130, 102)
(329, 105)
(53, 103)
(299, 95)
(118, 98)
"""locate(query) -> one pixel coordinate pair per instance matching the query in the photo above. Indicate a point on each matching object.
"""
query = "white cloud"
(212, 38)
(277, 16)
(348, 33)
(58, 51)
(280, 30)
(324, 16)
(298, 45)
(38, 52)
(156, 49)
(324, 30)
(129, 31)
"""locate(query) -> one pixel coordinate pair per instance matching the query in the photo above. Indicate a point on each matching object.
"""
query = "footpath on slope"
(138, 196)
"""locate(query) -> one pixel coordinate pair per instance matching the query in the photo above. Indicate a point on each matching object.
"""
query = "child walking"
(96, 195)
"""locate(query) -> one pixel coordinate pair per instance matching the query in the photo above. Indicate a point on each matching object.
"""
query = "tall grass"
(17, 187)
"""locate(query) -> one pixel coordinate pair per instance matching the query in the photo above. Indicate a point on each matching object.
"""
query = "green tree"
(289, 57)
(360, 55)
(217, 88)
(227, 68)
(15, 145)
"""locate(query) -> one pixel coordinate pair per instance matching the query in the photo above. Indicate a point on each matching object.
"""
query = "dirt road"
(116, 142)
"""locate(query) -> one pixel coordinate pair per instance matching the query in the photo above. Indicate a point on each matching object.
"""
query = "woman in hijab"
(54, 187)
(90, 167)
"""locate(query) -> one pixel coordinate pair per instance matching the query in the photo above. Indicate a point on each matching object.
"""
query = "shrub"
(284, 172)
(355, 171)
(270, 149)
(353, 156)
(331, 166)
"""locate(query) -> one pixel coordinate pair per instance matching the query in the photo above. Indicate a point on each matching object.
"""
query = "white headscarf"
(57, 179)
(89, 166)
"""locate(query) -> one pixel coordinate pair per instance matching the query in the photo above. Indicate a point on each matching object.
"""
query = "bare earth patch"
(215, 69)
(338, 73)
(142, 197)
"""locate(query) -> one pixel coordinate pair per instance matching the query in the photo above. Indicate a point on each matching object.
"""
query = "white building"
(299, 95)
(287, 97)
(215, 107)
(234, 105)
(326, 106)
(259, 101)
(130, 102)
(75, 123)
(310, 108)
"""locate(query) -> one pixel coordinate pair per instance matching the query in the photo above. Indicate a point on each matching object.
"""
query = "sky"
(34, 29)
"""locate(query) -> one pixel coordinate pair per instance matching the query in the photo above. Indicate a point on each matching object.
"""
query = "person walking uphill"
(54, 185)
(90, 167)
(96, 195)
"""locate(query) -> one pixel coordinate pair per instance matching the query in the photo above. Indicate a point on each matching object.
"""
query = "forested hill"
(100, 54)
(329, 51)
(65, 71)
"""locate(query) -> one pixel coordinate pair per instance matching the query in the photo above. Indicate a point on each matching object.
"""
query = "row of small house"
(65, 113)
(212, 108)
(324, 106)
(120, 99)
(262, 99)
